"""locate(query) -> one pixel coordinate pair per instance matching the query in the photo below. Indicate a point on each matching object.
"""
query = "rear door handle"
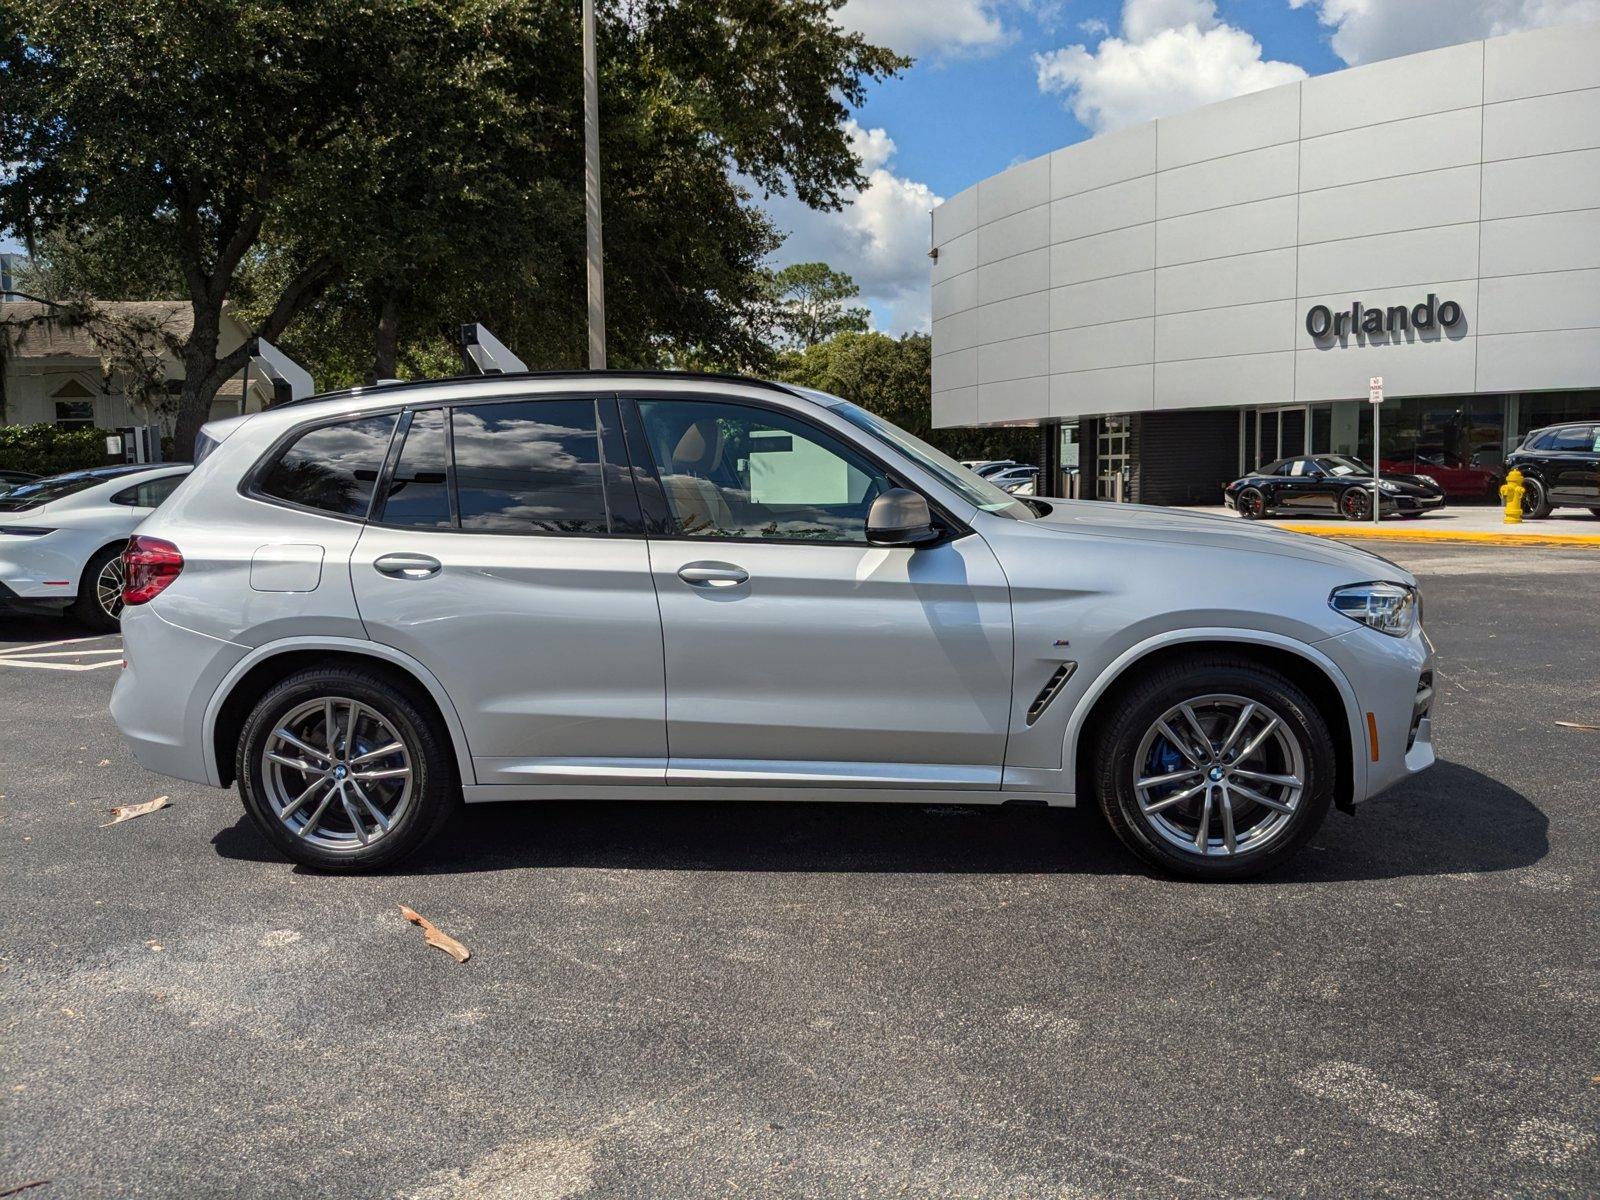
(407, 566)
(713, 575)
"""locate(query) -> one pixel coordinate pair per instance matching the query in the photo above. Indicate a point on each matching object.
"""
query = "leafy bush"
(46, 450)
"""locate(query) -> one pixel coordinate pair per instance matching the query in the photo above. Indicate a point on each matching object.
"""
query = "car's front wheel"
(1356, 504)
(343, 769)
(1251, 504)
(1214, 767)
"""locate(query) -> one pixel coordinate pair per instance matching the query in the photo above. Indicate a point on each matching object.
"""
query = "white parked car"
(367, 607)
(61, 538)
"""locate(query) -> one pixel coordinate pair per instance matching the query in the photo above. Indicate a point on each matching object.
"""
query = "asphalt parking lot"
(822, 1000)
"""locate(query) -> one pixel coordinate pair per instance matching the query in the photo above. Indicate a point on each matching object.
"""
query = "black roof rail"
(573, 373)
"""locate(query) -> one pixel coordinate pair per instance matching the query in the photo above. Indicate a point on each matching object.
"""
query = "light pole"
(591, 194)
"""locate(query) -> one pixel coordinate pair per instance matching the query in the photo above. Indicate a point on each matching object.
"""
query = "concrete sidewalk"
(1472, 525)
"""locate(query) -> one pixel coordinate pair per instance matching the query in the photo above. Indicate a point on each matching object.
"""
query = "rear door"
(505, 553)
(1573, 469)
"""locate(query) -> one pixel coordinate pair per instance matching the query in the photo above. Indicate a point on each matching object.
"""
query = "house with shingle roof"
(67, 365)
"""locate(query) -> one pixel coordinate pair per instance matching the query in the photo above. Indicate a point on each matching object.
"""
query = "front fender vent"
(1050, 691)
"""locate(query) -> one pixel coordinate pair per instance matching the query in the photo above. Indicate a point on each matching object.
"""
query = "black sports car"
(1325, 484)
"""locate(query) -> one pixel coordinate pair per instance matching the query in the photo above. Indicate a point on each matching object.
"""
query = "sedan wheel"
(1251, 504)
(99, 601)
(1356, 504)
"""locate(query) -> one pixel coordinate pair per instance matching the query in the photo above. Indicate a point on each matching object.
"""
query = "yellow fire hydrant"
(1511, 492)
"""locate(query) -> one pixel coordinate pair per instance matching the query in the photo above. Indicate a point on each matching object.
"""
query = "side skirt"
(490, 793)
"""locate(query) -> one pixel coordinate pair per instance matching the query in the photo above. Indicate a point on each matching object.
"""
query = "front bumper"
(1393, 682)
(1417, 504)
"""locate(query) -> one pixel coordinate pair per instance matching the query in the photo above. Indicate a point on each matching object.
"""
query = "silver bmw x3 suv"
(369, 607)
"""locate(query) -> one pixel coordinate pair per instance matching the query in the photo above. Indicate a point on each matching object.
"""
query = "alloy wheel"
(1355, 504)
(336, 773)
(1219, 775)
(108, 587)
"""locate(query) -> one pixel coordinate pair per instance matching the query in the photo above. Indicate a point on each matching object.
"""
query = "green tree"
(893, 377)
(811, 303)
(405, 165)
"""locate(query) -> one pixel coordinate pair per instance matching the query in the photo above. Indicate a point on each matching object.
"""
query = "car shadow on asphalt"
(1452, 820)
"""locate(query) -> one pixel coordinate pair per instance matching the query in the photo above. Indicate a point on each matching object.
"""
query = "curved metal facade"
(1173, 264)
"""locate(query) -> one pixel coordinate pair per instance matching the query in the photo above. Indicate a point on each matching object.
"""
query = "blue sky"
(1000, 81)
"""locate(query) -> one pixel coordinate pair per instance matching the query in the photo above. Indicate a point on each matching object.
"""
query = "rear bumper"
(160, 699)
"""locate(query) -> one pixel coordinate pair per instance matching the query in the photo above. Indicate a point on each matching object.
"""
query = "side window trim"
(620, 507)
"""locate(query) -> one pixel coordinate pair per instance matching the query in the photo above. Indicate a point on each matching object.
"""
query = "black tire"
(1410, 516)
(1355, 504)
(87, 606)
(435, 792)
(1250, 504)
(1133, 714)
(1535, 500)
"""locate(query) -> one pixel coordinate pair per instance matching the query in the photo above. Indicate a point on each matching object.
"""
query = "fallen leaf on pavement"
(104, 762)
(435, 936)
(127, 812)
(1576, 725)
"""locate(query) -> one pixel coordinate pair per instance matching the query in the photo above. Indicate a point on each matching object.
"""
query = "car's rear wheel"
(1356, 504)
(1250, 504)
(1214, 767)
(1535, 500)
(343, 769)
(99, 601)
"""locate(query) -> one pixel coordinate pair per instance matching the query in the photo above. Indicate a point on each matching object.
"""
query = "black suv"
(1560, 468)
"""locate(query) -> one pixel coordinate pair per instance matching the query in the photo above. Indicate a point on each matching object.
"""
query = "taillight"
(149, 565)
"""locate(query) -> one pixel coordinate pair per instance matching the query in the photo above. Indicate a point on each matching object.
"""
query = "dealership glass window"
(1419, 432)
(1535, 410)
(1112, 458)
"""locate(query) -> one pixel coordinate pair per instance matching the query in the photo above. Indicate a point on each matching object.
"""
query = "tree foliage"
(357, 177)
(811, 303)
(893, 377)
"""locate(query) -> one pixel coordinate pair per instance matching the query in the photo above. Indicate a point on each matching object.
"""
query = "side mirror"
(900, 517)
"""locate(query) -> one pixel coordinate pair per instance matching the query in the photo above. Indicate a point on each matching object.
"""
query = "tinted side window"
(732, 471)
(148, 494)
(333, 467)
(1573, 438)
(531, 466)
(418, 495)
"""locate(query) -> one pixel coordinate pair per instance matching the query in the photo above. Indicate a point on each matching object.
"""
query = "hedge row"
(46, 450)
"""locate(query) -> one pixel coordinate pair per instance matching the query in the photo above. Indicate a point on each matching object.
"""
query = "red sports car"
(1458, 479)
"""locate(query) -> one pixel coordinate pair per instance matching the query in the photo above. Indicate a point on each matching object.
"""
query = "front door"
(796, 652)
(1574, 470)
(506, 554)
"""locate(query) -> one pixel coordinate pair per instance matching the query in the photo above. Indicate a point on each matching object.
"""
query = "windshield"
(1342, 465)
(975, 490)
(32, 495)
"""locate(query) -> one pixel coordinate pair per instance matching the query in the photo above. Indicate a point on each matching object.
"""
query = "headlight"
(1390, 608)
(1429, 480)
(1386, 486)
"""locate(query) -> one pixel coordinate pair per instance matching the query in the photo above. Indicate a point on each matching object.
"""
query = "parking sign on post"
(1375, 398)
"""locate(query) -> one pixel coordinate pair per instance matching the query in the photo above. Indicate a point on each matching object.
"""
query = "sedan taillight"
(149, 565)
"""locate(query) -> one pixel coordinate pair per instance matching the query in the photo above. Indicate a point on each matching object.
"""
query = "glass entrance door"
(1281, 432)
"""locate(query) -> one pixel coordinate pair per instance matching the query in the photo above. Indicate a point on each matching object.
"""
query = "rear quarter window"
(331, 468)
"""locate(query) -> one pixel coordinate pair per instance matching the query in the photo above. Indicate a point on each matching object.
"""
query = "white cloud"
(1172, 55)
(879, 238)
(926, 26)
(1368, 30)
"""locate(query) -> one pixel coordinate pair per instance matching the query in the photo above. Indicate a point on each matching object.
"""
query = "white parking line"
(33, 655)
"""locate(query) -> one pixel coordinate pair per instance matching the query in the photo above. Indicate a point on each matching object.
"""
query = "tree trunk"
(388, 339)
(201, 380)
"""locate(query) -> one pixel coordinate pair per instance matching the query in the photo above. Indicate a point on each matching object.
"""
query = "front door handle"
(713, 575)
(407, 566)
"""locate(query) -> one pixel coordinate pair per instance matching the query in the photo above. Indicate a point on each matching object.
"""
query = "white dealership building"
(1194, 296)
